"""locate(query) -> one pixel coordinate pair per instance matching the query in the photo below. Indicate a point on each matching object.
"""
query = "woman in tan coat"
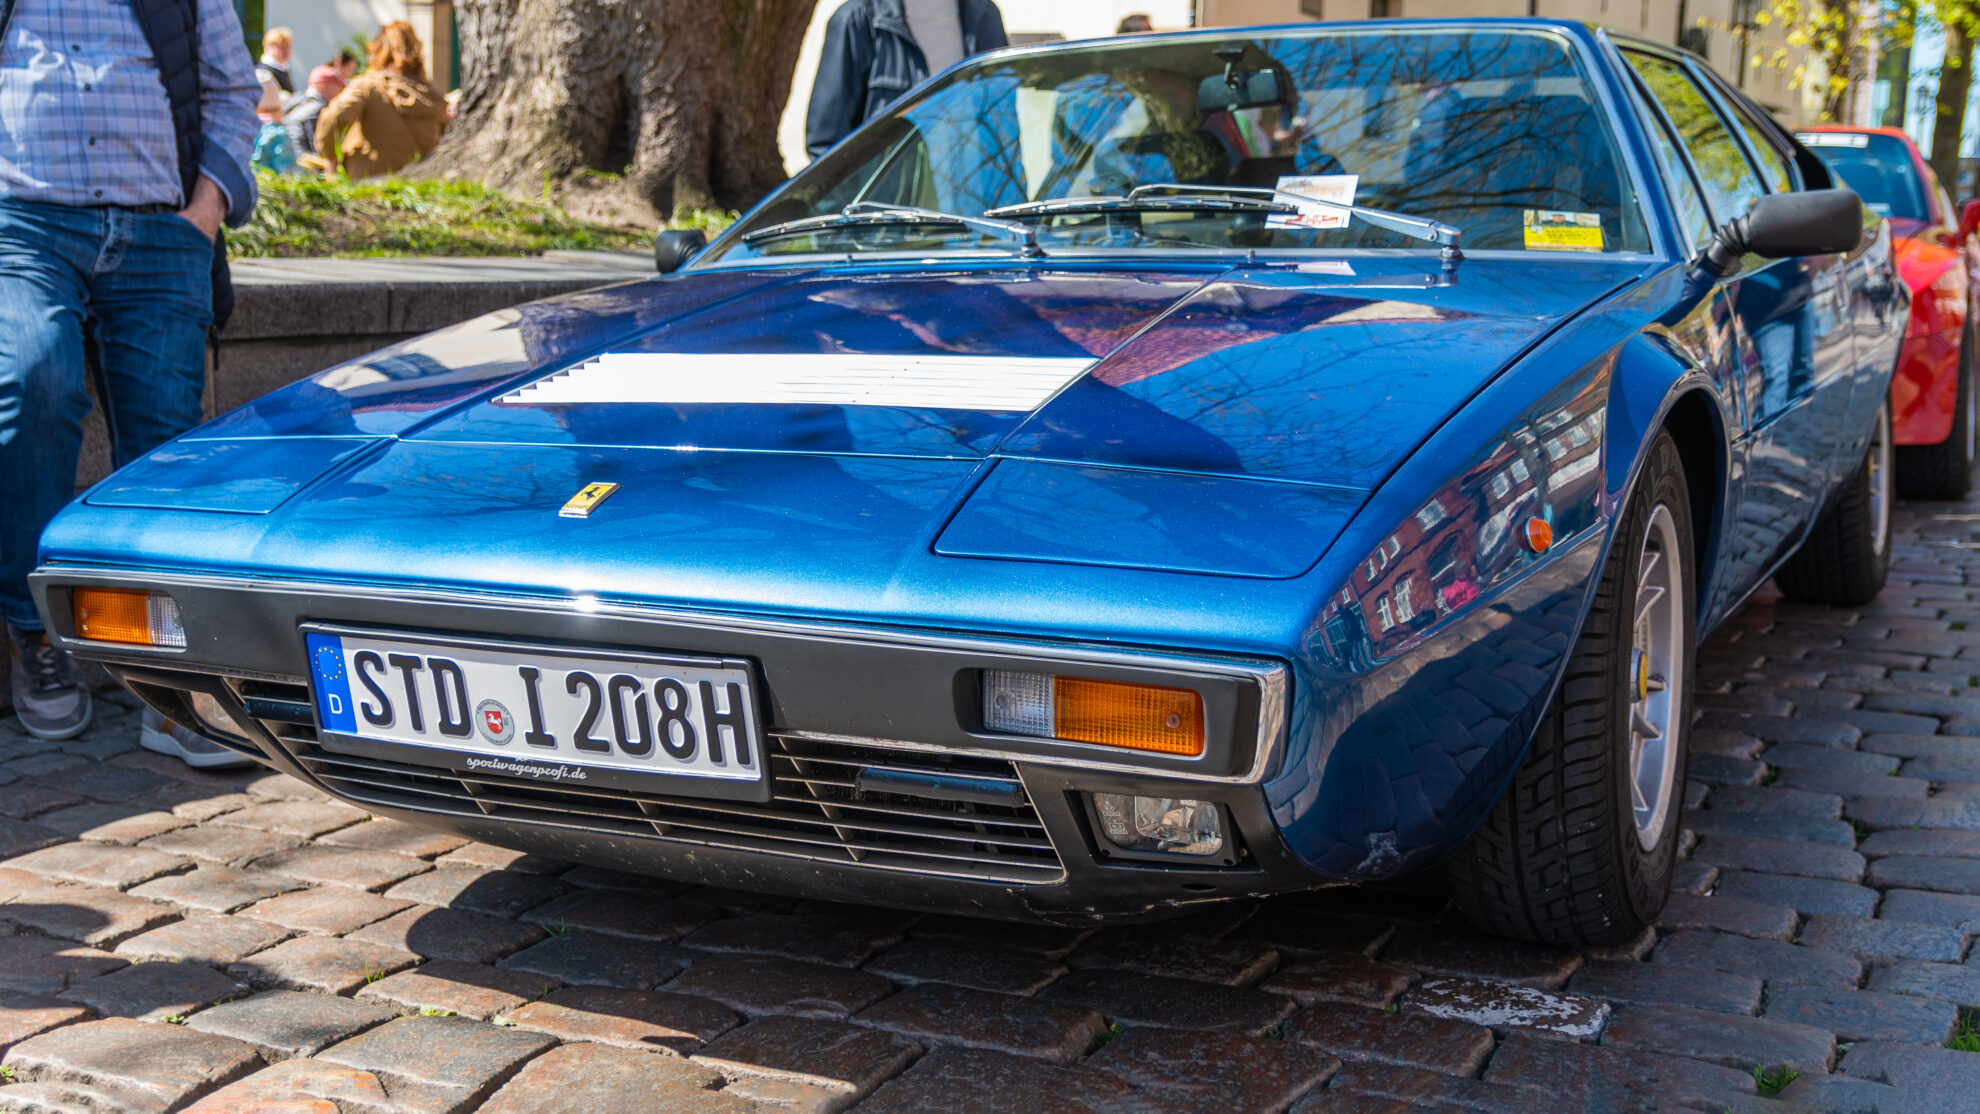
(388, 115)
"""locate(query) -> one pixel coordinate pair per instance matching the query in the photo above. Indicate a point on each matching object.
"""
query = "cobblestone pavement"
(242, 942)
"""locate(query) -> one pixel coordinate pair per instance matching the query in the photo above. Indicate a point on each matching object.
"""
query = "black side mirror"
(673, 247)
(1814, 222)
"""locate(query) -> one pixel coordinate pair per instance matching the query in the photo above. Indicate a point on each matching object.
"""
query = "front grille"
(824, 806)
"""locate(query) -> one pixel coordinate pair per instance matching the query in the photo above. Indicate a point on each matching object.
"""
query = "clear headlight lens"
(1168, 825)
(216, 719)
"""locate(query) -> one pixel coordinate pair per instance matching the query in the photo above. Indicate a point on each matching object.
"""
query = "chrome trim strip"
(1271, 678)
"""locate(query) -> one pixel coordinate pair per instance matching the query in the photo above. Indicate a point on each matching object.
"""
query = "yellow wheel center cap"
(1642, 675)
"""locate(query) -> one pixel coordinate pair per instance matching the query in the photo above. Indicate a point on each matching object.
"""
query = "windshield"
(1877, 167)
(1496, 133)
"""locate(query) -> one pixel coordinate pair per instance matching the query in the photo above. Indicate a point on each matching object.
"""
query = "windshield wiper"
(1257, 199)
(875, 213)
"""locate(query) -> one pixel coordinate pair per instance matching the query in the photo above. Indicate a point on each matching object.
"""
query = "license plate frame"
(561, 765)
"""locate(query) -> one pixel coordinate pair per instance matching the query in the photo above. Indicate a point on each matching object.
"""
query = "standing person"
(277, 46)
(125, 129)
(389, 115)
(875, 50)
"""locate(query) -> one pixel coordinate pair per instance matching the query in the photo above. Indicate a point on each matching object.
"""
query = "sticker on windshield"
(1337, 188)
(1833, 139)
(1558, 230)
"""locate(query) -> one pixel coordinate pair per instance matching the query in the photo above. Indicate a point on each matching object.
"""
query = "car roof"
(1575, 28)
(1859, 129)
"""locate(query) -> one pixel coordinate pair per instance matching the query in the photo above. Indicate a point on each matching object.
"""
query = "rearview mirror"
(1969, 218)
(1814, 222)
(1254, 89)
(673, 247)
(1237, 88)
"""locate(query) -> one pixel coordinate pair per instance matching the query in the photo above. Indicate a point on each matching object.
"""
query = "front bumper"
(836, 701)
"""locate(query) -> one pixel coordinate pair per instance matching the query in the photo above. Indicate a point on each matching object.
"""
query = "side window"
(1690, 204)
(1731, 186)
(1773, 167)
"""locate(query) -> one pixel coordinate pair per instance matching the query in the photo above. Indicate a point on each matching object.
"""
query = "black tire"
(1847, 556)
(1559, 860)
(1944, 470)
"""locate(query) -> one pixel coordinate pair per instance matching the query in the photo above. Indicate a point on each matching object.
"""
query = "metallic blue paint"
(1031, 510)
(1315, 458)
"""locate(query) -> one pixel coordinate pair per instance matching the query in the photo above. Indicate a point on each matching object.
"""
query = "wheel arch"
(1655, 389)
(1695, 424)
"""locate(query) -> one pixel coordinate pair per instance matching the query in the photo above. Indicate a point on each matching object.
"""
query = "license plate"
(629, 721)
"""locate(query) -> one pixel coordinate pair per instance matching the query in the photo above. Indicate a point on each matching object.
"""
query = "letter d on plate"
(333, 683)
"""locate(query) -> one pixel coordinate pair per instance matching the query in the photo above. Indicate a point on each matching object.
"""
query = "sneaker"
(49, 692)
(167, 737)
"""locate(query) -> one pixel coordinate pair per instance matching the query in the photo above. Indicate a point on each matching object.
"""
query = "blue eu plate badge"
(333, 683)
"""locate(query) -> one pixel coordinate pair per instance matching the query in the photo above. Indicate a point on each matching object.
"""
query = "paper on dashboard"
(1337, 188)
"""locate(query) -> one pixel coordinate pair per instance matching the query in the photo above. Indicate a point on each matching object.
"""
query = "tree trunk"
(1949, 120)
(682, 97)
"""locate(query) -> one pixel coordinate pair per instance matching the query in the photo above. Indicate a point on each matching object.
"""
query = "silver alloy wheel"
(1656, 675)
(1880, 480)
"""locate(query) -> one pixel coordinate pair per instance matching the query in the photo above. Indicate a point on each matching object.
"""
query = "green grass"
(303, 215)
(1771, 1082)
(6, 1074)
(558, 929)
(435, 1011)
(1966, 1036)
(1772, 775)
(175, 1019)
(1109, 1035)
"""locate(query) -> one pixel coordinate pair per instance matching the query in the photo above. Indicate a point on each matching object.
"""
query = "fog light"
(1162, 824)
(1085, 710)
(215, 719)
(125, 615)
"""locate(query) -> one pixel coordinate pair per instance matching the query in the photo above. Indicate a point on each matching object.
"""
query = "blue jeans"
(137, 290)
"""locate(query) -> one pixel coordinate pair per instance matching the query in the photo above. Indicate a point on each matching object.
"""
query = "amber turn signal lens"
(1136, 717)
(127, 615)
(1537, 535)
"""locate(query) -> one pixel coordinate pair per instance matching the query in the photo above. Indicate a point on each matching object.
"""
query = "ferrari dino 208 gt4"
(1121, 475)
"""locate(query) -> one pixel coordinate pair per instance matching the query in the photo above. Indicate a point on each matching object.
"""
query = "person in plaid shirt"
(108, 110)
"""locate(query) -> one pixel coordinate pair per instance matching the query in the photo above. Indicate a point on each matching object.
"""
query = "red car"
(1932, 395)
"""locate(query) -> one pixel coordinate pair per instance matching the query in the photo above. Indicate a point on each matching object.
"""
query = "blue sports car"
(1123, 475)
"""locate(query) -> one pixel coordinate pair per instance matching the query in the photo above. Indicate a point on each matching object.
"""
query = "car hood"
(1220, 422)
(1322, 373)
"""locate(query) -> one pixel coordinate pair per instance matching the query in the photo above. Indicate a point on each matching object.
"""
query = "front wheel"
(1847, 555)
(1581, 848)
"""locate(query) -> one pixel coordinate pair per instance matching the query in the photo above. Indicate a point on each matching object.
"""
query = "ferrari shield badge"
(586, 500)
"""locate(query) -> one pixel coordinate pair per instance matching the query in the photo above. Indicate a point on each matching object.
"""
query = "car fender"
(1414, 717)
(1656, 386)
